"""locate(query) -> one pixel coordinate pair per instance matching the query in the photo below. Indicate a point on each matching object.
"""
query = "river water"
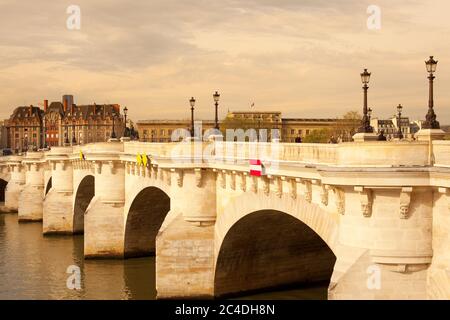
(35, 267)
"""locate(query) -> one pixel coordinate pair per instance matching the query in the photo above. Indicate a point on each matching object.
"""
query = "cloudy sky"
(301, 57)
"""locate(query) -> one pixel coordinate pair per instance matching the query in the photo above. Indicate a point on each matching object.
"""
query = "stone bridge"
(371, 218)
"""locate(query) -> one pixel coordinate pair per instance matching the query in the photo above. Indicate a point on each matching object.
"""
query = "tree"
(318, 136)
(347, 126)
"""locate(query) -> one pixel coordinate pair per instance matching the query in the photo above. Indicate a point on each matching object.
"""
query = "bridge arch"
(48, 185)
(263, 243)
(84, 194)
(145, 216)
(3, 184)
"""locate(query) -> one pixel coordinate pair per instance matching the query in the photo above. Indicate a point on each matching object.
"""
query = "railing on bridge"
(365, 154)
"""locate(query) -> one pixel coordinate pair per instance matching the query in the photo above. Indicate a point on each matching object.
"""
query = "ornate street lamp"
(399, 122)
(430, 119)
(216, 97)
(125, 111)
(192, 103)
(365, 122)
(113, 134)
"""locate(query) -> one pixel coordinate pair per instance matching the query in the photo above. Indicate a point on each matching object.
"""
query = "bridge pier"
(15, 185)
(32, 196)
(58, 207)
(104, 230)
(185, 242)
(385, 246)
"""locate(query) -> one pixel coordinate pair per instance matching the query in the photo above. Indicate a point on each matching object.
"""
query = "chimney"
(68, 102)
(31, 110)
(45, 105)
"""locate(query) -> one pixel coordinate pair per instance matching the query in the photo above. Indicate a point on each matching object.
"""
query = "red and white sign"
(256, 168)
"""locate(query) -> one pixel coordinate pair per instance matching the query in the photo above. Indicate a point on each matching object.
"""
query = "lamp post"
(216, 97)
(365, 122)
(192, 103)
(399, 122)
(430, 119)
(125, 131)
(113, 133)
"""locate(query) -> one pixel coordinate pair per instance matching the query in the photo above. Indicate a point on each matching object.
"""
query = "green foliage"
(318, 136)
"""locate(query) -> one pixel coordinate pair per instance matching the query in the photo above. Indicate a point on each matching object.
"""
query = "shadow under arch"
(145, 217)
(49, 186)
(270, 249)
(3, 184)
(84, 195)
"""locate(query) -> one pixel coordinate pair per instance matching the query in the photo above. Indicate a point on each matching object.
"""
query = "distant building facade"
(390, 127)
(289, 129)
(162, 130)
(62, 123)
(3, 135)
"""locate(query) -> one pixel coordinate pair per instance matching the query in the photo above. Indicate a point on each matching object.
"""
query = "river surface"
(35, 267)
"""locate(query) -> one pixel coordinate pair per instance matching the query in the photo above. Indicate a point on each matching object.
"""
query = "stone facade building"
(63, 123)
(289, 129)
(390, 127)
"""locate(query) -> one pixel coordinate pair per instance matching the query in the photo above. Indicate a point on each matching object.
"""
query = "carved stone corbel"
(405, 201)
(366, 199)
(243, 182)
(278, 182)
(293, 188)
(340, 200)
(223, 179)
(198, 177)
(178, 175)
(98, 167)
(233, 180)
(254, 186)
(155, 172)
(266, 185)
(111, 167)
(324, 194)
(307, 190)
(161, 174)
(62, 163)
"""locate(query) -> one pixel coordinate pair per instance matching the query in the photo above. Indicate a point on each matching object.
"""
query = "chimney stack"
(45, 105)
(68, 102)
(31, 110)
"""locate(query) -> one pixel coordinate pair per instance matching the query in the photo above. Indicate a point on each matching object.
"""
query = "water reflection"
(34, 267)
